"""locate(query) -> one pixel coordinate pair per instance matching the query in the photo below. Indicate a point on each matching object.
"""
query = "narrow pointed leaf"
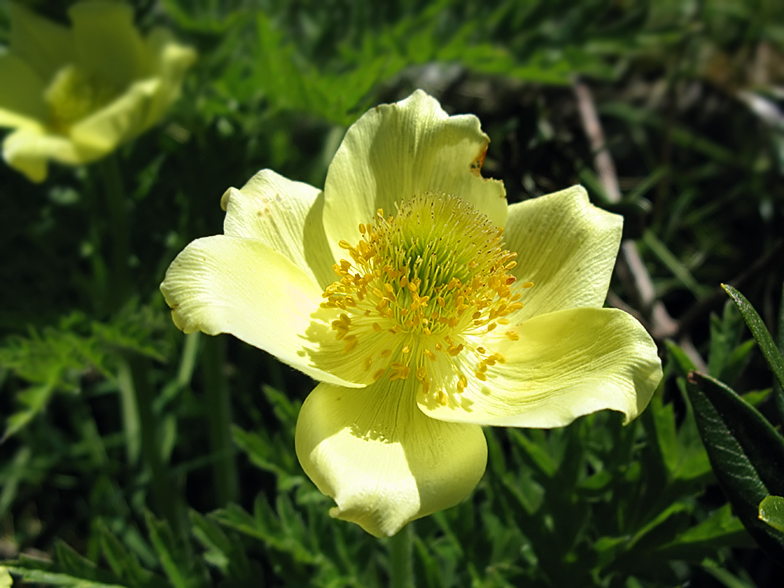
(745, 451)
(768, 347)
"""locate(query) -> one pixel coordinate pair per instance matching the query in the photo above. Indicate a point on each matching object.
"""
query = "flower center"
(421, 292)
(74, 94)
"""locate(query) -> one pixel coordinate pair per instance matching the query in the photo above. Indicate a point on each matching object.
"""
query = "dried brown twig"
(631, 269)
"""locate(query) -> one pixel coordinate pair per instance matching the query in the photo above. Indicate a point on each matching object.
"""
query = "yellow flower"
(74, 95)
(424, 305)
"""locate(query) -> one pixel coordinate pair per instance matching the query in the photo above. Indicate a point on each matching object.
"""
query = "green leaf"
(668, 523)
(771, 510)
(71, 570)
(728, 579)
(659, 423)
(270, 527)
(223, 551)
(5, 578)
(33, 400)
(73, 563)
(181, 567)
(778, 389)
(719, 530)
(745, 451)
(535, 452)
(766, 344)
(682, 361)
(123, 563)
(725, 337)
(678, 269)
(54, 359)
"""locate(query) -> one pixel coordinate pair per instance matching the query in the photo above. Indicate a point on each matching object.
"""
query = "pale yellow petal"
(168, 63)
(565, 365)
(239, 286)
(567, 247)
(381, 459)
(396, 151)
(44, 45)
(285, 215)
(106, 41)
(21, 94)
(29, 149)
(117, 122)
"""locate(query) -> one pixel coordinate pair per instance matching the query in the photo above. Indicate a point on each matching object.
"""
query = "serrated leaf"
(265, 453)
(745, 451)
(33, 401)
(267, 526)
(54, 359)
(83, 573)
(668, 523)
(58, 578)
(73, 563)
(124, 563)
(223, 551)
(182, 569)
(721, 529)
(771, 510)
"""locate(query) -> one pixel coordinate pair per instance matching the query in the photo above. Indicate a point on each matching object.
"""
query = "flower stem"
(119, 289)
(141, 391)
(218, 413)
(778, 392)
(142, 423)
(401, 567)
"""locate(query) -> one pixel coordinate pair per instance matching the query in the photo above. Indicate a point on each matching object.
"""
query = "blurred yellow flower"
(424, 305)
(73, 95)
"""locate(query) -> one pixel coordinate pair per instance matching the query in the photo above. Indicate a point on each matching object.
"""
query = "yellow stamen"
(435, 278)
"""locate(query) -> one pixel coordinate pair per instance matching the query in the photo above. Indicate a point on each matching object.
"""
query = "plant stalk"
(218, 414)
(401, 568)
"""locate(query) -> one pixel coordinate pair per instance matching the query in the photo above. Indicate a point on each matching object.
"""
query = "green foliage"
(745, 452)
(110, 413)
(771, 511)
(56, 359)
(772, 354)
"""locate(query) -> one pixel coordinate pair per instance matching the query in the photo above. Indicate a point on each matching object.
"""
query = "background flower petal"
(565, 365)
(21, 94)
(396, 151)
(383, 461)
(29, 149)
(168, 62)
(44, 45)
(106, 41)
(567, 247)
(285, 215)
(117, 122)
(239, 286)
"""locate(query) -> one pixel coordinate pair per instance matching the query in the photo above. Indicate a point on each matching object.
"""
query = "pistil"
(421, 291)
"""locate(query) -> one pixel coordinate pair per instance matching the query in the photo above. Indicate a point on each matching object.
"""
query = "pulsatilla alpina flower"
(73, 95)
(424, 305)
